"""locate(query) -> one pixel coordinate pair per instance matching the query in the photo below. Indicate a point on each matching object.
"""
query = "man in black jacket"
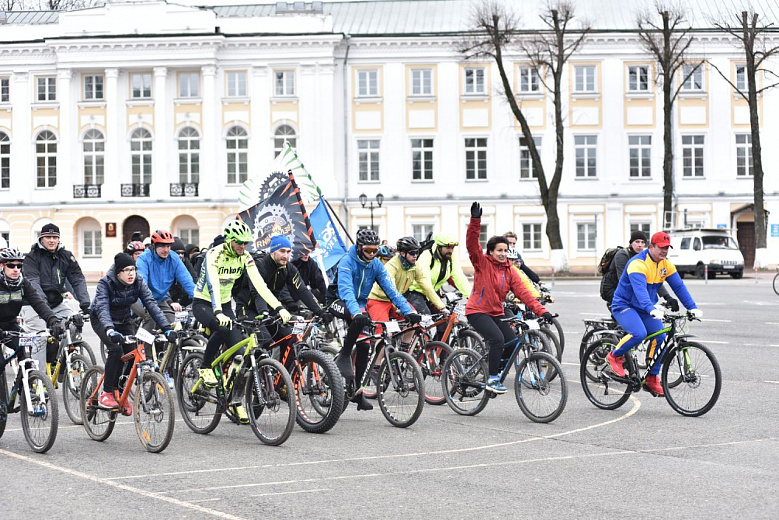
(311, 276)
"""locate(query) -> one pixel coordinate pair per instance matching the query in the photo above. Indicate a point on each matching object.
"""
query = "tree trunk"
(668, 153)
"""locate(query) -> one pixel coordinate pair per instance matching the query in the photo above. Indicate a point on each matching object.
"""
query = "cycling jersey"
(641, 280)
(403, 278)
(430, 263)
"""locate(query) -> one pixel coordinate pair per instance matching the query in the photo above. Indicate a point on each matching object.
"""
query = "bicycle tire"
(532, 386)
(464, 380)
(597, 383)
(84, 349)
(686, 364)
(201, 411)
(407, 393)
(3, 401)
(607, 344)
(319, 392)
(558, 331)
(469, 339)
(71, 387)
(98, 422)
(552, 346)
(776, 284)
(40, 423)
(155, 427)
(431, 359)
(268, 397)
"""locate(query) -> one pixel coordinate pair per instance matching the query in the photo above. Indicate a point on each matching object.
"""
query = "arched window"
(140, 154)
(94, 156)
(284, 133)
(46, 159)
(189, 155)
(5, 161)
(91, 236)
(237, 155)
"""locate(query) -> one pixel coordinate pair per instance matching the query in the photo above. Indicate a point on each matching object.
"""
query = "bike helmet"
(9, 254)
(161, 237)
(238, 231)
(408, 244)
(386, 251)
(445, 240)
(367, 237)
(512, 254)
(134, 247)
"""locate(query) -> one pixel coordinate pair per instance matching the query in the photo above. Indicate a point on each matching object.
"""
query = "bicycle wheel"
(557, 329)
(71, 388)
(82, 348)
(155, 418)
(401, 389)
(691, 379)
(319, 391)
(269, 402)
(465, 377)
(597, 379)
(3, 401)
(469, 339)
(552, 346)
(200, 409)
(431, 359)
(776, 284)
(540, 397)
(39, 422)
(98, 422)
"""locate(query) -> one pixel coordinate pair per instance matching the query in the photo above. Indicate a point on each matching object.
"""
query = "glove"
(85, 308)
(171, 335)
(224, 321)
(444, 312)
(77, 320)
(673, 303)
(361, 319)
(114, 336)
(696, 313)
(56, 328)
(3, 334)
(475, 210)
(547, 316)
(284, 315)
(326, 317)
(657, 314)
(413, 318)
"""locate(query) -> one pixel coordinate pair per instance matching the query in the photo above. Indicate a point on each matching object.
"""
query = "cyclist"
(438, 266)
(634, 300)
(514, 257)
(134, 249)
(347, 298)
(311, 275)
(386, 252)
(512, 238)
(493, 278)
(111, 320)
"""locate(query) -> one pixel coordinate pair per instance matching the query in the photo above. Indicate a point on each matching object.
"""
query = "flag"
(330, 246)
(283, 213)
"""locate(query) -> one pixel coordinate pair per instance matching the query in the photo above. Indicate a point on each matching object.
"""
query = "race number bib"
(393, 327)
(144, 336)
(460, 308)
(299, 327)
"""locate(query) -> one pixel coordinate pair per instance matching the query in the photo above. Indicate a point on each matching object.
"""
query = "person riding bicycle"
(311, 275)
(512, 238)
(134, 249)
(514, 257)
(493, 278)
(111, 320)
(634, 301)
(347, 298)
(438, 266)
(386, 252)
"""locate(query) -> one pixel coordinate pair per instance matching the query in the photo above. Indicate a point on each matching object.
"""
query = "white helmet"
(512, 254)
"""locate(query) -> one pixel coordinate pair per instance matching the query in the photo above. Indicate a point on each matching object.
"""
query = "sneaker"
(168, 379)
(208, 376)
(362, 402)
(494, 385)
(653, 386)
(615, 362)
(107, 400)
(240, 412)
(344, 364)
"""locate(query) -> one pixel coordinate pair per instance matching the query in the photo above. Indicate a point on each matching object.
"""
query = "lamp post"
(364, 201)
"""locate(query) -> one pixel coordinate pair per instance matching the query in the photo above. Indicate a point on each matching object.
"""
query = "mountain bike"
(37, 404)
(154, 414)
(690, 375)
(168, 357)
(457, 332)
(543, 327)
(246, 375)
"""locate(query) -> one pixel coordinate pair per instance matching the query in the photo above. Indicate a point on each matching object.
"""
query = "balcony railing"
(183, 189)
(135, 190)
(86, 191)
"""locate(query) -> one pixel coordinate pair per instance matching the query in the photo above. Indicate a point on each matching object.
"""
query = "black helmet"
(408, 244)
(386, 251)
(367, 237)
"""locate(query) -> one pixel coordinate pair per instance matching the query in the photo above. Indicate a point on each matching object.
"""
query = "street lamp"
(364, 201)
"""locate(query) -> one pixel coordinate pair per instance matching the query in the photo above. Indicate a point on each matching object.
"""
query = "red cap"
(661, 239)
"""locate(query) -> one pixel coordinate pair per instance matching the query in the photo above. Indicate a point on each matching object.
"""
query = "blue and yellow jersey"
(639, 283)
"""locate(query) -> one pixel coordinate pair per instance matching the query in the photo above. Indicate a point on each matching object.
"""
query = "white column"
(68, 173)
(115, 137)
(212, 175)
(328, 145)
(160, 186)
(22, 146)
(260, 149)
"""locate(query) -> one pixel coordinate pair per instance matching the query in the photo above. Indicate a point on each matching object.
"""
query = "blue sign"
(775, 230)
(722, 226)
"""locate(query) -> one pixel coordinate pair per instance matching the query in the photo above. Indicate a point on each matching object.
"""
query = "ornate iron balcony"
(135, 190)
(183, 189)
(86, 191)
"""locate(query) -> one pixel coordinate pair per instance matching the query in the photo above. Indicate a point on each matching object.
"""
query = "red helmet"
(161, 237)
(134, 246)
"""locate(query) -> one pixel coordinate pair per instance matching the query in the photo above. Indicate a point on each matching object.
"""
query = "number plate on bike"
(393, 327)
(145, 336)
(460, 308)
(182, 316)
(533, 324)
(427, 320)
(299, 327)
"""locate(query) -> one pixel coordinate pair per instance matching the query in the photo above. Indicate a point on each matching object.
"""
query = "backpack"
(427, 245)
(606, 259)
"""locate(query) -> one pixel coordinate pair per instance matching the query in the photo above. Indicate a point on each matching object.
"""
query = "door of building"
(745, 234)
(132, 224)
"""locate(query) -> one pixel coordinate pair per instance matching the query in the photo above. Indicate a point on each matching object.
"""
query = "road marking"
(291, 492)
(772, 382)
(706, 341)
(722, 321)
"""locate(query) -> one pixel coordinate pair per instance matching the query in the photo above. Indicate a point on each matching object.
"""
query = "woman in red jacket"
(493, 278)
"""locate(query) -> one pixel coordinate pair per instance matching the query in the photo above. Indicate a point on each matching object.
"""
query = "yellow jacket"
(403, 279)
(527, 282)
(453, 270)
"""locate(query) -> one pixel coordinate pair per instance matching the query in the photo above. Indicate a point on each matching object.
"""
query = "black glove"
(361, 319)
(85, 308)
(56, 328)
(413, 318)
(475, 210)
(171, 335)
(547, 316)
(114, 336)
(77, 320)
(326, 317)
(672, 302)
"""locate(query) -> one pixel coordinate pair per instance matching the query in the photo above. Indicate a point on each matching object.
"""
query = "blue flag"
(329, 244)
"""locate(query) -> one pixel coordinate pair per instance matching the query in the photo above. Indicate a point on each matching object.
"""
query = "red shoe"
(107, 400)
(616, 364)
(127, 409)
(653, 386)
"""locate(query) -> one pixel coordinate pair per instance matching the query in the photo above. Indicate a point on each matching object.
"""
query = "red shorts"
(382, 311)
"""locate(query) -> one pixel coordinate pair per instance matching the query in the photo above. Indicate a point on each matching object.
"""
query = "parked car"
(694, 249)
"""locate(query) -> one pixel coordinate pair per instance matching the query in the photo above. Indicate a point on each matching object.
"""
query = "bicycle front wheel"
(98, 422)
(401, 389)
(39, 422)
(82, 348)
(200, 408)
(776, 284)
(557, 329)
(270, 402)
(540, 387)
(431, 359)
(154, 415)
(470, 339)
(691, 379)
(464, 380)
(71, 388)
(319, 390)
(598, 381)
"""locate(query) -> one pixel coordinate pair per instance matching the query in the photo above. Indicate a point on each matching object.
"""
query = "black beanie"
(121, 261)
(50, 230)
(637, 235)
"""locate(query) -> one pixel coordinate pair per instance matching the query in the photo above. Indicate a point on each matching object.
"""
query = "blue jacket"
(355, 281)
(160, 273)
(113, 299)
(642, 278)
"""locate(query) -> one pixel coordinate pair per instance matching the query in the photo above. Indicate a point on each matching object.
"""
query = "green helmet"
(445, 240)
(238, 231)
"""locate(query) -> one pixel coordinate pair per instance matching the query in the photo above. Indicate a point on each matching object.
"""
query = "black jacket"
(48, 273)
(278, 278)
(12, 299)
(611, 278)
(311, 275)
(113, 299)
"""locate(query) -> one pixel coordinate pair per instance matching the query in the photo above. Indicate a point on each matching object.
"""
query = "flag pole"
(332, 211)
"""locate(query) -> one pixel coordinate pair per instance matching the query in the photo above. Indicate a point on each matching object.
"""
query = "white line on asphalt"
(772, 382)
(291, 492)
(711, 319)
(706, 341)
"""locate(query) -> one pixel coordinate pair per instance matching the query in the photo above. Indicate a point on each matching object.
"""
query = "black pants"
(13, 343)
(339, 310)
(219, 335)
(113, 363)
(496, 334)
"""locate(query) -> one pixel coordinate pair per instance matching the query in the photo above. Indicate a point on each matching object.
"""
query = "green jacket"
(430, 264)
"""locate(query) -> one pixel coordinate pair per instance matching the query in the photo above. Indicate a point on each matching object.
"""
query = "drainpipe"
(346, 129)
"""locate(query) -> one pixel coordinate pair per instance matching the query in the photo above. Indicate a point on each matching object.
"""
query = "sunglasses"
(14, 266)
(414, 252)
(240, 242)
(453, 244)
(370, 250)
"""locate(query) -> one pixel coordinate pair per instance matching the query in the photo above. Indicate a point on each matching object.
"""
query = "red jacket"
(492, 280)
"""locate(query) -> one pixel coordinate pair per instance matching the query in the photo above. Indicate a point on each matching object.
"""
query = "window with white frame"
(5, 90)
(284, 83)
(741, 77)
(640, 150)
(46, 159)
(140, 85)
(237, 155)
(421, 82)
(5, 161)
(189, 83)
(640, 226)
(422, 159)
(744, 166)
(474, 80)
(92, 239)
(368, 159)
(476, 158)
(189, 155)
(189, 235)
(236, 83)
(585, 236)
(692, 77)
(94, 157)
(529, 82)
(526, 168)
(140, 156)
(638, 78)
(284, 133)
(584, 79)
(420, 231)
(93, 87)
(367, 83)
(586, 148)
(692, 155)
(531, 237)
(47, 88)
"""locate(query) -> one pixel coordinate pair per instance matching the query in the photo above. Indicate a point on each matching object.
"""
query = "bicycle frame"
(66, 342)
(25, 367)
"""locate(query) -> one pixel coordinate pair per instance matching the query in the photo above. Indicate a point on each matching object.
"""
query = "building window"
(46, 159)
(483, 229)
(237, 156)
(692, 77)
(692, 156)
(476, 158)
(531, 237)
(638, 78)
(529, 82)
(140, 84)
(368, 83)
(586, 155)
(422, 159)
(421, 82)
(584, 79)
(236, 84)
(585, 236)
(94, 157)
(5, 161)
(285, 83)
(140, 156)
(420, 231)
(93, 243)
(5, 90)
(368, 159)
(640, 226)
(189, 236)
(189, 155)
(188, 84)
(640, 149)
(474, 80)
(47, 88)
(93, 87)
(284, 133)
(526, 168)
(744, 167)
(741, 77)
(374, 227)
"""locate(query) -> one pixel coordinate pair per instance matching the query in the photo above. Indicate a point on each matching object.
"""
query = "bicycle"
(540, 387)
(689, 368)
(153, 414)
(457, 333)
(262, 383)
(37, 405)
(776, 282)
(170, 356)
(543, 327)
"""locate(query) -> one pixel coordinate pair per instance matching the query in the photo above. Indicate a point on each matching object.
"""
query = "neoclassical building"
(139, 115)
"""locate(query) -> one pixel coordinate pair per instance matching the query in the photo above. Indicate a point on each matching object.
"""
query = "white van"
(694, 249)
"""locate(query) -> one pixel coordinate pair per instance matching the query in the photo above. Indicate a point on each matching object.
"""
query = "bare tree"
(10, 5)
(667, 39)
